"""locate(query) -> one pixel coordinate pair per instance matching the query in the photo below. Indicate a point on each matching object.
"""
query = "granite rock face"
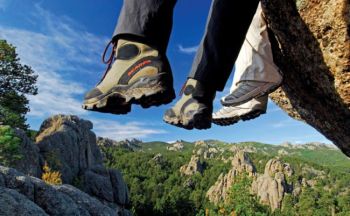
(240, 164)
(194, 166)
(25, 195)
(272, 185)
(177, 146)
(311, 46)
(31, 161)
(67, 145)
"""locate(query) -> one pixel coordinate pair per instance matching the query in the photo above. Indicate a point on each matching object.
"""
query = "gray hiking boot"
(249, 110)
(194, 109)
(247, 90)
(136, 74)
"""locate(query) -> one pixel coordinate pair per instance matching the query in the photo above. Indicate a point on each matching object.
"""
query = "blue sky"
(63, 42)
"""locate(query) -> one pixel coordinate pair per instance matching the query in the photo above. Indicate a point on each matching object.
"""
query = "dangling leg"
(225, 33)
(138, 70)
(254, 64)
(258, 75)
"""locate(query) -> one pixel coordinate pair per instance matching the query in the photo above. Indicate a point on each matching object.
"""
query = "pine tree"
(16, 81)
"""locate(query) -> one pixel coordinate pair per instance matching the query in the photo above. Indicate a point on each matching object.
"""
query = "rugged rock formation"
(248, 149)
(158, 158)
(313, 52)
(271, 186)
(205, 151)
(25, 195)
(131, 144)
(31, 161)
(177, 146)
(240, 164)
(282, 152)
(200, 143)
(194, 166)
(69, 146)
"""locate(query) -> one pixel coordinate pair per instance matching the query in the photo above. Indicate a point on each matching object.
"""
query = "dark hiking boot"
(194, 109)
(136, 74)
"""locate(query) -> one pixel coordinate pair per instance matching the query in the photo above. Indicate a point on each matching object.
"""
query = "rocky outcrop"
(205, 151)
(25, 195)
(272, 185)
(240, 164)
(282, 152)
(194, 166)
(237, 148)
(313, 51)
(31, 161)
(177, 146)
(158, 158)
(67, 145)
(131, 144)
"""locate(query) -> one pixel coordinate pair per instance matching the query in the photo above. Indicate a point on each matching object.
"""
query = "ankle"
(199, 90)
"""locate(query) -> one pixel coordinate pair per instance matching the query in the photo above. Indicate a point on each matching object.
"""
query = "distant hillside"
(211, 177)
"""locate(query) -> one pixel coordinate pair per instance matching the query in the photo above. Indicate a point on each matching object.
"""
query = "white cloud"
(188, 50)
(61, 52)
(118, 131)
(285, 123)
(53, 52)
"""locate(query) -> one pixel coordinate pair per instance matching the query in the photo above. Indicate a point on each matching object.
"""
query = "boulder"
(14, 203)
(32, 196)
(68, 145)
(177, 146)
(108, 185)
(31, 160)
(205, 151)
(272, 185)
(158, 158)
(194, 166)
(131, 144)
(311, 46)
(241, 164)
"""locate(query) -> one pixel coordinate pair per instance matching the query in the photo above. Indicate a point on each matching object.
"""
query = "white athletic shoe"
(249, 110)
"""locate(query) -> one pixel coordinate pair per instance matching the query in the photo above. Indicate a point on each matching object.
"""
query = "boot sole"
(145, 91)
(233, 120)
(266, 92)
(200, 121)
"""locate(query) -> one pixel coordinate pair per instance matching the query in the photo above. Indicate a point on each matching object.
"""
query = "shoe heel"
(202, 121)
(159, 91)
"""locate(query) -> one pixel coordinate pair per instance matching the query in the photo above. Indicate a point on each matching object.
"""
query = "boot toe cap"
(92, 94)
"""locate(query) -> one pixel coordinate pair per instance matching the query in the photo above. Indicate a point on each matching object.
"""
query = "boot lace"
(110, 59)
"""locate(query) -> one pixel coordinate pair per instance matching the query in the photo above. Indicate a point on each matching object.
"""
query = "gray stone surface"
(14, 203)
(272, 186)
(241, 163)
(68, 145)
(30, 162)
(313, 52)
(39, 198)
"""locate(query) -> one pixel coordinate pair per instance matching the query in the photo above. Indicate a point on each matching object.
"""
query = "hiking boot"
(249, 110)
(136, 74)
(194, 109)
(247, 90)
